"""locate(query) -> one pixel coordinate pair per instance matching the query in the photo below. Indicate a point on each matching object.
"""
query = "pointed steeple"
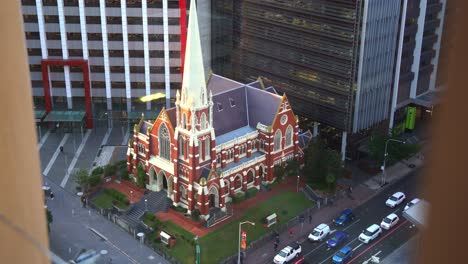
(194, 83)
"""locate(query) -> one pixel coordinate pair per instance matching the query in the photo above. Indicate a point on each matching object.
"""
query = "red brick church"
(222, 137)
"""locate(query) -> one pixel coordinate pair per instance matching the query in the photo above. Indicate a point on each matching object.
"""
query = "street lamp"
(146, 205)
(240, 226)
(385, 157)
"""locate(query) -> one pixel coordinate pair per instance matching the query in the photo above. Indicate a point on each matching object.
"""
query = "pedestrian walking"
(51, 195)
(291, 232)
(276, 246)
(310, 218)
(277, 240)
(61, 149)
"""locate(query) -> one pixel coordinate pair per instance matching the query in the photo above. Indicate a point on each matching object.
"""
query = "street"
(75, 228)
(371, 212)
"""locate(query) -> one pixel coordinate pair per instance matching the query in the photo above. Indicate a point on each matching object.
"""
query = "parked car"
(319, 233)
(389, 221)
(413, 202)
(371, 233)
(345, 217)
(343, 255)
(396, 199)
(337, 238)
(288, 253)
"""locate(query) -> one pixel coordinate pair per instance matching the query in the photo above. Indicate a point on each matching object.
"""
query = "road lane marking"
(378, 241)
(359, 219)
(54, 157)
(315, 249)
(75, 159)
(323, 261)
(360, 245)
(43, 139)
(106, 137)
(125, 139)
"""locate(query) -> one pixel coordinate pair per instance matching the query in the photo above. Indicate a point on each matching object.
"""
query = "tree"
(279, 172)
(395, 151)
(322, 165)
(141, 176)
(292, 168)
(330, 179)
(82, 178)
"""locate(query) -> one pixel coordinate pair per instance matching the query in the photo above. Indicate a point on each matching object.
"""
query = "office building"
(132, 48)
(336, 60)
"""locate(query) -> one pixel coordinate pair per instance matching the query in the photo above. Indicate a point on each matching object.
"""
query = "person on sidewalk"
(51, 195)
(310, 218)
(291, 232)
(276, 246)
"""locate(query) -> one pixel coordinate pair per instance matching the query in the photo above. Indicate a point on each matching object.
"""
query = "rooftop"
(234, 134)
(243, 160)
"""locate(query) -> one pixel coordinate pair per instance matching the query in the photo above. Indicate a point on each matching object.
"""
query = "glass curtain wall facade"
(307, 49)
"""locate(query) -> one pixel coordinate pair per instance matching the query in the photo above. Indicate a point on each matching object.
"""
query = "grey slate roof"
(243, 106)
(218, 84)
(262, 106)
(304, 139)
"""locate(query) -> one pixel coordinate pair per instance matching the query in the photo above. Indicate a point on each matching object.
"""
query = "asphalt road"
(371, 212)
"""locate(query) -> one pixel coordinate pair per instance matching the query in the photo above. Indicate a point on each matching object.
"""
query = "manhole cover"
(411, 166)
(284, 212)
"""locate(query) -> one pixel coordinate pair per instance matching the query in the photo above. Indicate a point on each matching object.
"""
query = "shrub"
(124, 174)
(196, 215)
(110, 170)
(238, 197)
(98, 171)
(121, 164)
(179, 209)
(94, 180)
(116, 195)
(251, 193)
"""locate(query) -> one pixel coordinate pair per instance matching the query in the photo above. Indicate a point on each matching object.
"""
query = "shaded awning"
(427, 100)
(417, 214)
(39, 115)
(65, 116)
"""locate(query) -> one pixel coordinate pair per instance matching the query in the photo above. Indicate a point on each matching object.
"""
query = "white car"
(288, 253)
(413, 202)
(319, 233)
(396, 199)
(390, 221)
(371, 233)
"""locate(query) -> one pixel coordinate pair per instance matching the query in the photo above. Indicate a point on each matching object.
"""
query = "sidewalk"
(361, 193)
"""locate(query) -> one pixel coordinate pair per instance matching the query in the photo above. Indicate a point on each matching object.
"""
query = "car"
(345, 217)
(288, 253)
(337, 238)
(343, 255)
(319, 233)
(413, 202)
(396, 199)
(389, 221)
(371, 233)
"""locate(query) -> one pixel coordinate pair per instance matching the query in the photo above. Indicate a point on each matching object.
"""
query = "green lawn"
(103, 201)
(182, 250)
(223, 242)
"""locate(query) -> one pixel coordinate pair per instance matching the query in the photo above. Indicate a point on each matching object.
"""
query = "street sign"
(244, 240)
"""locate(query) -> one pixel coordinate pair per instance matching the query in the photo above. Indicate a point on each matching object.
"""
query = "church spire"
(194, 84)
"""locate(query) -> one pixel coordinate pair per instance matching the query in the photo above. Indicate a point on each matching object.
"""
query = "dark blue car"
(344, 218)
(343, 255)
(337, 238)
